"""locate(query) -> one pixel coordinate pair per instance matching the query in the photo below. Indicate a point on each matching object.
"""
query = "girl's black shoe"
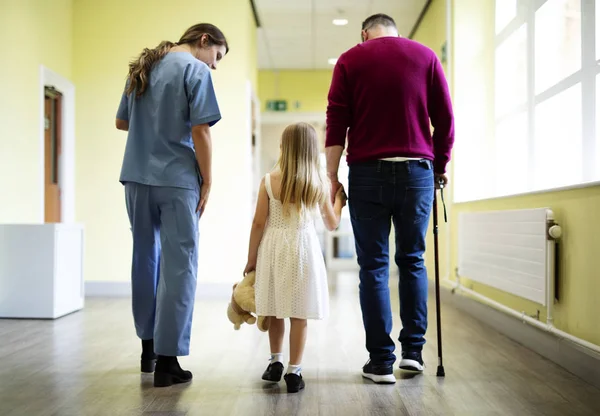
(294, 382)
(273, 372)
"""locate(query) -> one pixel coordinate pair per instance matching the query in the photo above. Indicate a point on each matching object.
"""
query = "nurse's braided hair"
(139, 68)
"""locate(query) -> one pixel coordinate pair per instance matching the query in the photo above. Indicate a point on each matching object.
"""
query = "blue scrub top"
(160, 150)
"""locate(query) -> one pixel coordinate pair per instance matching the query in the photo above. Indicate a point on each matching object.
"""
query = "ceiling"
(299, 34)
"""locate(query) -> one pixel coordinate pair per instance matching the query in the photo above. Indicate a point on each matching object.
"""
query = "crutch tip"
(440, 371)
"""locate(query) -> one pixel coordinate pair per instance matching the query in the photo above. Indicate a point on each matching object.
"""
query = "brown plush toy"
(242, 305)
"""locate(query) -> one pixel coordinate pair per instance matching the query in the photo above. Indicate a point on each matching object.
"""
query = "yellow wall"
(432, 30)
(432, 33)
(32, 33)
(106, 37)
(576, 210)
(473, 56)
(310, 88)
(91, 46)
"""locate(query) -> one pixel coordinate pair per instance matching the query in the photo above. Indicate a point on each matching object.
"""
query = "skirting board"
(579, 361)
(107, 289)
(123, 289)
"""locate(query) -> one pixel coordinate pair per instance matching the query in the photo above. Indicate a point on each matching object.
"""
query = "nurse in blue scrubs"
(167, 108)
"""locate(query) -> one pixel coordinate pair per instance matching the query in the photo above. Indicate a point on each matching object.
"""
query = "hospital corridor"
(300, 207)
(67, 368)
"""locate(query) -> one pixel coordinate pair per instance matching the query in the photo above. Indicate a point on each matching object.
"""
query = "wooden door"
(52, 150)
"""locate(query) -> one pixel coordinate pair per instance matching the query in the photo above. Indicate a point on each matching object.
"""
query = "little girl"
(291, 280)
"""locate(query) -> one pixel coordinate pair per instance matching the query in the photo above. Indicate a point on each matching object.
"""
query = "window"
(558, 147)
(557, 42)
(512, 153)
(523, 108)
(506, 11)
(511, 72)
(467, 158)
(597, 29)
(471, 144)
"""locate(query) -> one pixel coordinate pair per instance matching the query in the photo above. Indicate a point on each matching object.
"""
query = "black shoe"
(294, 382)
(168, 372)
(380, 374)
(148, 361)
(412, 361)
(273, 372)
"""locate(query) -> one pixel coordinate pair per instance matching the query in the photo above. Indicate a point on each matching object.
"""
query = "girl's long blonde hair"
(302, 181)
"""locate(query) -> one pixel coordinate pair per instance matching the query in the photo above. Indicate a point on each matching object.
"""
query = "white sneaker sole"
(411, 365)
(387, 379)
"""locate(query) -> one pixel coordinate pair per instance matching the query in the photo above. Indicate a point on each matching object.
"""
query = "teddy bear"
(242, 305)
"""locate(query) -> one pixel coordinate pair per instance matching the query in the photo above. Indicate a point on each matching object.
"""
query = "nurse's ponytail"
(139, 69)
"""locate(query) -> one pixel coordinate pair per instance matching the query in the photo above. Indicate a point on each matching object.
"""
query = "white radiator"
(510, 250)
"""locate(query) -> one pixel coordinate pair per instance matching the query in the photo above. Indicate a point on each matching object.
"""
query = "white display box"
(41, 270)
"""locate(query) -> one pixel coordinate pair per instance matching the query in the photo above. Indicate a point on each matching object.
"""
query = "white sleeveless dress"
(291, 279)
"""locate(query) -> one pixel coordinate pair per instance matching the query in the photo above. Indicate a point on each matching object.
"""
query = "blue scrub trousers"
(164, 224)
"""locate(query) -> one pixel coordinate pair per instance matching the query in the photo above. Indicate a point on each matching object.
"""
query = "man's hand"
(441, 180)
(335, 186)
(341, 196)
(333, 155)
(204, 192)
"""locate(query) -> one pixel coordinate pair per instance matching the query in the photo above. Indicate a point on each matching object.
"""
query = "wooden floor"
(87, 364)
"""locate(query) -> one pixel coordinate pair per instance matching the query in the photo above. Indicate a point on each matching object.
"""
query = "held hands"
(340, 196)
(335, 186)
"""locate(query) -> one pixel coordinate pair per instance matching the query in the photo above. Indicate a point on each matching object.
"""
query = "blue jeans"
(164, 225)
(381, 193)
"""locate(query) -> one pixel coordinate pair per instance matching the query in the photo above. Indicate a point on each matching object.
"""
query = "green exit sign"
(276, 105)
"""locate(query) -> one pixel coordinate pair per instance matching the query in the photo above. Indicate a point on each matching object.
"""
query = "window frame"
(586, 76)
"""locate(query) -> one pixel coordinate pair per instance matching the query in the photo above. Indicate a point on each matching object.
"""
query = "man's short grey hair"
(378, 19)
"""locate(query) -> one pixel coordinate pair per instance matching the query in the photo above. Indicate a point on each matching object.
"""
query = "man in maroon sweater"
(384, 94)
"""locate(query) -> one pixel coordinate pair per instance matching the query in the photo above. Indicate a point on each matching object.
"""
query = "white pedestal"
(41, 270)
